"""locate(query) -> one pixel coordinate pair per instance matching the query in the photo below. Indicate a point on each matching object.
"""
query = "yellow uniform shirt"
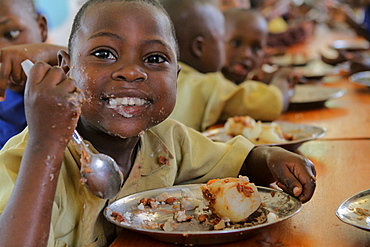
(77, 218)
(204, 100)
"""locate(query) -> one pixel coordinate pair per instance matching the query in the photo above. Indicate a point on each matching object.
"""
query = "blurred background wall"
(60, 14)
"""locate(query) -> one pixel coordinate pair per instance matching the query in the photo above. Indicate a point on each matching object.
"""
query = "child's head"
(123, 56)
(20, 24)
(246, 39)
(199, 26)
(228, 4)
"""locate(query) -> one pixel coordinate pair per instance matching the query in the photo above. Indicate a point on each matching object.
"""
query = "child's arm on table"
(53, 106)
(294, 173)
(11, 58)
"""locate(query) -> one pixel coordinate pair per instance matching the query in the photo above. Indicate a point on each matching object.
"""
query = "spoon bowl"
(99, 172)
(104, 178)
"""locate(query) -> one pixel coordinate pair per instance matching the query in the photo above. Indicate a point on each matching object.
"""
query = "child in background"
(124, 64)
(205, 97)
(246, 35)
(22, 34)
(246, 40)
(344, 11)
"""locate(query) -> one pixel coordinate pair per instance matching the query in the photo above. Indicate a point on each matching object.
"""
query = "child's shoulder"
(192, 76)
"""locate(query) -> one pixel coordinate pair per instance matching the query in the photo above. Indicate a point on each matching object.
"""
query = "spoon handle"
(79, 141)
(26, 66)
(77, 138)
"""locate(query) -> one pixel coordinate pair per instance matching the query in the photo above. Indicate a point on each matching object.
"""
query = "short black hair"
(77, 20)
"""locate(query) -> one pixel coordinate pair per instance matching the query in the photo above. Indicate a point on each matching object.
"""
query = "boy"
(206, 98)
(22, 34)
(124, 63)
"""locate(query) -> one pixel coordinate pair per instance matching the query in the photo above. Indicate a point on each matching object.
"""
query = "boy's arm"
(11, 58)
(294, 173)
(53, 105)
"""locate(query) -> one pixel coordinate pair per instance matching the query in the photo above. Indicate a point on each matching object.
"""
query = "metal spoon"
(100, 173)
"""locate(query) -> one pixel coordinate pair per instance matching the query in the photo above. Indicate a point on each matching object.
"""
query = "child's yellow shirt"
(204, 100)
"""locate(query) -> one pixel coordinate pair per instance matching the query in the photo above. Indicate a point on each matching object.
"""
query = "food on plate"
(190, 211)
(232, 198)
(256, 131)
(290, 59)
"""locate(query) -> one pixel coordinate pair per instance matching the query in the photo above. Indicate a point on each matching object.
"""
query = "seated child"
(206, 98)
(118, 92)
(23, 31)
(246, 38)
(345, 12)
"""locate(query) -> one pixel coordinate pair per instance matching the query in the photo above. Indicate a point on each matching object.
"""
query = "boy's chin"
(132, 130)
(237, 78)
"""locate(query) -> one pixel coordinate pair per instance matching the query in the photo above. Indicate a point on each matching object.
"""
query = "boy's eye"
(155, 59)
(13, 34)
(256, 48)
(235, 43)
(104, 54)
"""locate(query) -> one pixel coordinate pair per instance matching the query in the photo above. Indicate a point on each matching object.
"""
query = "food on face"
(232, 198)
(256, 131)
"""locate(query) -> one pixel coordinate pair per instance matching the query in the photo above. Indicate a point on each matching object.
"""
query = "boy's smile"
(125, 62)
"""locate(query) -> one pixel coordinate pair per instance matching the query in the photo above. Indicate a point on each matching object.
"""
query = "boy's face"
(245, 41)
(18, 26)
(124, 60)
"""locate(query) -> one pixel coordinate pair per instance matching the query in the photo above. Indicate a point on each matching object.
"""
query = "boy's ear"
(196, 46)
(43, 25)
(64, 60)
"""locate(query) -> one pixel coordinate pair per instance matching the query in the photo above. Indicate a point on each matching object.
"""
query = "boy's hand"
(52, 104)
(11, 57)
(294, 173)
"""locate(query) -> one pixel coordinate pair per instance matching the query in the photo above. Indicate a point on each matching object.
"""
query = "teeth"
(126, 101)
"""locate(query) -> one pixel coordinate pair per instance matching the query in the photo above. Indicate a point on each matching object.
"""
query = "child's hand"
(11, 57)
(294, 173)
(52, 103)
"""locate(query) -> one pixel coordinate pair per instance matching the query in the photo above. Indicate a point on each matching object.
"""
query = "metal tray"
(280, 203)
(361, 78)
(301, 133)
(314, 95)
(356, 210)
(350, 45)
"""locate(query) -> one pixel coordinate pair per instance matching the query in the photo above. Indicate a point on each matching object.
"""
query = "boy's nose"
(130, 73)
(246, 51)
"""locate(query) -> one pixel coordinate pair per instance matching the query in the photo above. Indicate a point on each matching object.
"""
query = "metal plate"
(314, 94)
(301, 133)
(290, 59)
(280, 203)
(350, 45)
(361, 78)
(356, 210)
